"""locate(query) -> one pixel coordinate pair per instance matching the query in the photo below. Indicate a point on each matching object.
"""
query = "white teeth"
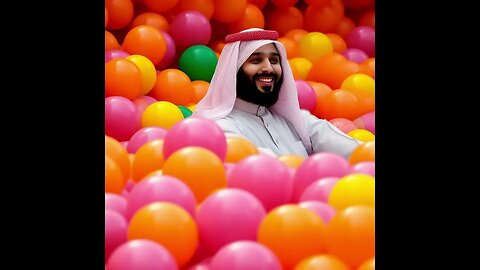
(266, 80)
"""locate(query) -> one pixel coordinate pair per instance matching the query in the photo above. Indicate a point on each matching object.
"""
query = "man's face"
(260, 77)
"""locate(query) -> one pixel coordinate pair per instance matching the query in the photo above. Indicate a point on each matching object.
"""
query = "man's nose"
(267, 66)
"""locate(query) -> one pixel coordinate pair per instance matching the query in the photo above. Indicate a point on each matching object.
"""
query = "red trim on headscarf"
(252, 35)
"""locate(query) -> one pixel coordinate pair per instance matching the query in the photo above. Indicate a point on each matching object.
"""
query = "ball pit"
(181, 195)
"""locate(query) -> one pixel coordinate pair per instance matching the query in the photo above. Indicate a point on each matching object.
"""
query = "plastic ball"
(200, 90)
(363, 152)
(283, 20)
(115, 231)
(239, 148)
(322, 209)
(368, 265)
(338, 43)
(170, 52)
(228, 215)
(252, 18)
(114, 181)
(199, 29)
(352, 190)
(206, 7)
(169, 225)
(314, 45)
(143, 136)
(122, 78)
(115, 202)
(111, 43)
(198, 62)
(361, 135)
(319, 190)
(363, 38)
(150, 18)
(173, 85)
(345, 125)
(120, 13)
(355, 55)
(291, 161)
(186, 112)
(366, 167)
(145, 40)
(229, 11)
(323, 261)
(162, 114)
(122, 118)
(147, 71)
(307, 98)
(245, 255)
(117, 152)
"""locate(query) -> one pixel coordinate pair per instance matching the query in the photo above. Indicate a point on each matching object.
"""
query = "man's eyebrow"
(261, 53)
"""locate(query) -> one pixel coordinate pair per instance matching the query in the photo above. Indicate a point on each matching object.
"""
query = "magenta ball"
(322, 209)
(306, 96)
(245, 255)
(365, 167)
(115, 231)
(144, 135)
(203, 265)
(141, 254)
(363, 38)
(129, 185)
(122, 118)
(190, 28)
(112, 54)
(319, 190)
(355, 55)
(344, 124)
(116, 203)
(195, 132)
(315, 167)
(369, 121)
(162, 188)
(143, 102)
(226, 216)
(170, 52)
(265, 177)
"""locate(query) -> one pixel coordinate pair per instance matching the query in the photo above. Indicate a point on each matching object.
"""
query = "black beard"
(247, 90)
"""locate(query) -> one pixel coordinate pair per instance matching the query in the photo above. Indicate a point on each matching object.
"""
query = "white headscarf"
(221, 95)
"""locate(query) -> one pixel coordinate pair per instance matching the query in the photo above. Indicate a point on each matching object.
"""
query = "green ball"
(185, 111)
(198, 62)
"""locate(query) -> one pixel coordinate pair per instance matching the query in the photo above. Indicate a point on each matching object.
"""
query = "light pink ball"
(319, 190)
(122, 118)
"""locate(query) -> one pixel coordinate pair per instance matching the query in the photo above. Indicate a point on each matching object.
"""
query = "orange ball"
(206, 7)
(252, 17)
(284, 20)
(174, 86)
(114, 181)
(332, 69)
(351, 235)
(145, 40)
(169, 225)
(239, 148)
(150, 18)
(290, 46)
(122, 78)
(369, 66)
(344, 27)
(120, 13)
(229, 11)
(111, 42)
(296, 34)
(115, 150)
(292, 233)
(200, 89)
(321, 90)
(338, 104)
(199, 168)
(160, 6)
(363, 152)
(106, 17)
(259, 3)
(338, 43)
(323, 261)
(292, 161)
(324, 19)
(148, 158)
(368, 264)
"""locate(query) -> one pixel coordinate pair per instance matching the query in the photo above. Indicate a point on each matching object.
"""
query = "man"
(252, 94)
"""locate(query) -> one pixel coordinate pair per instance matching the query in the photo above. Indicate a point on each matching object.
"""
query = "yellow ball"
(315, 45)
(360, 85)
(161, 114)
(303, 66)
(353, 190)
(362, 135)
(147, 70)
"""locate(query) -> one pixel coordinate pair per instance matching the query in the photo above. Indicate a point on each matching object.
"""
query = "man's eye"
(274, 61)
(255, 61)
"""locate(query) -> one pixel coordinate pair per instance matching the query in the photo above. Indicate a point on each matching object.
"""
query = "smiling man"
(252, 94)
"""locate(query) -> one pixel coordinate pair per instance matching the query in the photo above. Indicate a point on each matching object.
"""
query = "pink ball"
(129, 185)
(318, 166)
(195, 132)
(355, 55)
(144, 135)
(226, 216)
(306, 96)
(190, 28)
(366, 121)
(245, 255)
(323, 210)
(143, 102)
(265, 177)
(203, 265)
(170, 53)
(115, 231)
(363, 38)
(319, 190)
(141, 254)
(344, 124)
(163, 188)
(112, 54)
(124, 144)
(116, 203)
(122, 118)
(365, 167)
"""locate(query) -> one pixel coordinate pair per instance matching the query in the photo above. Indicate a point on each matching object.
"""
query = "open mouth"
(265, 83)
